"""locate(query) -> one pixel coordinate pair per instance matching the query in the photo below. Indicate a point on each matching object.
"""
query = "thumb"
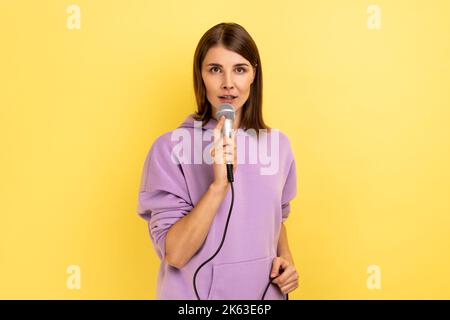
(218, 128)
(275, 268)
(220, 122)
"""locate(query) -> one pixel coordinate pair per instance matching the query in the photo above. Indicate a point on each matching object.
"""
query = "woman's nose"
(227, 87)
(227, 81)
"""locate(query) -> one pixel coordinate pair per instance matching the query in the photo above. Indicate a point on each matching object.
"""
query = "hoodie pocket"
(244, 280)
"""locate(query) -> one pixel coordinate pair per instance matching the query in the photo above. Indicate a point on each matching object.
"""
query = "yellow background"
(367, 112)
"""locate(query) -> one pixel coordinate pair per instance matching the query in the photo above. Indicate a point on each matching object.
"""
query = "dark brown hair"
(233, 37)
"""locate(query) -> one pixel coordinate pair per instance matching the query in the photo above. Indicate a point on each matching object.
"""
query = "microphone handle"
(227, 131)
(230, 172)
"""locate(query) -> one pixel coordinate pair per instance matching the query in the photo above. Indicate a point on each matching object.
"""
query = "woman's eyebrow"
(236, 65)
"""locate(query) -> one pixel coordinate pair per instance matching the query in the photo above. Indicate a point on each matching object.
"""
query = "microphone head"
(226, 110)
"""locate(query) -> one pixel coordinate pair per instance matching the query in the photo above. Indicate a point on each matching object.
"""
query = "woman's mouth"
(227, 99)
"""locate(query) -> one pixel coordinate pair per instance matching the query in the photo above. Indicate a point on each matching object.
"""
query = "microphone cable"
(220, 246)
(230, 179)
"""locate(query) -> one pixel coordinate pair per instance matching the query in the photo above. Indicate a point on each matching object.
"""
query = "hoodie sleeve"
(163, 197)
(290, 186)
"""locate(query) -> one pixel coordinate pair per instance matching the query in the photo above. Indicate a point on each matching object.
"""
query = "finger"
(228, 157)
(218, 129)
(280, 262)
(287, 277)
(228, 142)
(213, 153)
(217, 154)
(229, 148)
(284, 263)
(218, 145)
(288, 288)
(284, 274)
(217, 135)
(287, 273)
(220, 123)
(276, 263)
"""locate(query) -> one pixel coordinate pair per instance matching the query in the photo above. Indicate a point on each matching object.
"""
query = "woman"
(186, 202)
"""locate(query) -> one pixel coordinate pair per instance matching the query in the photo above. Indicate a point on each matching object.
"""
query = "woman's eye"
(239, 70)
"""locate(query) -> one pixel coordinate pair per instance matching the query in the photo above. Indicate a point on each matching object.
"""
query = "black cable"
(230, 179)
(267, 287)
(220, 246)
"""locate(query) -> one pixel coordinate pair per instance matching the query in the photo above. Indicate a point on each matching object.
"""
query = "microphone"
(227, 110)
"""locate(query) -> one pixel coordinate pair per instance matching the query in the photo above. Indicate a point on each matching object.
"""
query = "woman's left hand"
(287, 279)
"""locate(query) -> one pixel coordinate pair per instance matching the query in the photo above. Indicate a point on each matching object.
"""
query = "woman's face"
(225, 73)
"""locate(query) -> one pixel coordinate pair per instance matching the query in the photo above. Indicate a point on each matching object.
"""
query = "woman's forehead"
(223, 56)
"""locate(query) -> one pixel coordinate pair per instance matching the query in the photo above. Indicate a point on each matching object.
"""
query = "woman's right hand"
(221, 151)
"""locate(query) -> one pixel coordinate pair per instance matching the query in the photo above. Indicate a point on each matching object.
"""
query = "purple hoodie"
(173, 182)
